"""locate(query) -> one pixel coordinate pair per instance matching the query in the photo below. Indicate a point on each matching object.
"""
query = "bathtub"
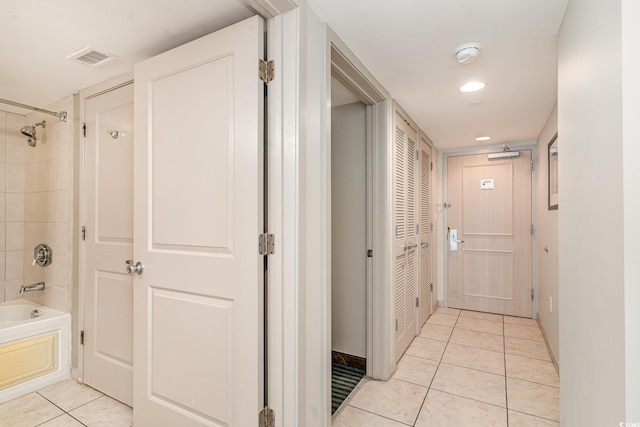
(34, 351)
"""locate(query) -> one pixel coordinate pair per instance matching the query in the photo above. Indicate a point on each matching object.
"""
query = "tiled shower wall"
(36, 205)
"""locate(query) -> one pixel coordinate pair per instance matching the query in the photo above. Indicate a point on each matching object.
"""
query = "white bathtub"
(32, 345)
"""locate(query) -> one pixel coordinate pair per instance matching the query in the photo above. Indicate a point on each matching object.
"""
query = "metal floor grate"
(343, 380)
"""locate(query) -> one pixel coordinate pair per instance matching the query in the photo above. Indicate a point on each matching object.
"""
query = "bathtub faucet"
(30, 288)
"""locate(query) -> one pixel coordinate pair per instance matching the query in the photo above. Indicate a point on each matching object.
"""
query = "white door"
(108, 221)
(490, 268)
(424, 207)
(405, 244)
(198, 211)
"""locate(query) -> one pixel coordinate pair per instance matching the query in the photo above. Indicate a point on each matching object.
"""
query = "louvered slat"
(400, 190)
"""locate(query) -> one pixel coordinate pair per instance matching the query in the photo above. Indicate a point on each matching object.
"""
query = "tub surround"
(36, 206)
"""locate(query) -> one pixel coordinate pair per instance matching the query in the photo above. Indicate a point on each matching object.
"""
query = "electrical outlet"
(550, 305)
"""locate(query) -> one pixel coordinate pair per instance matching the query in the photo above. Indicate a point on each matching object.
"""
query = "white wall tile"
(14, 236)
(14, 263)
(14, 207)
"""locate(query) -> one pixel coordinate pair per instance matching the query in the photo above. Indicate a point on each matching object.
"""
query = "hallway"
(465, 369)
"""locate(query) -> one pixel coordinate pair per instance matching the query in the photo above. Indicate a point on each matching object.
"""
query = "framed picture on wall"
(552, 156)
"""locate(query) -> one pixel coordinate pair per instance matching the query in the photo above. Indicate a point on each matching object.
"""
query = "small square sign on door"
(486, 184)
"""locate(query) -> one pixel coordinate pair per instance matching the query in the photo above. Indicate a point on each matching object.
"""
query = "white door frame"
(85, 94)
(345, 67)
(442, 225)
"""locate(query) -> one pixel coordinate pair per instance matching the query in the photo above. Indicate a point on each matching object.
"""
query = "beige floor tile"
(474, 358)
(416, 370)
(104, 412)
(62, 421)
(522, 321)
(442, 319)
(534, 370)
(482, 316)
(517, 419)
(477, 339)
(449, 311)
(69, 394)
(28, 411)
(436, 332)
(354, 417)
(446, 410)
(534, 399)
(470, 383)
(426, 348)
(525, 332)
(397, 400)
(479, 325)
(526, 348)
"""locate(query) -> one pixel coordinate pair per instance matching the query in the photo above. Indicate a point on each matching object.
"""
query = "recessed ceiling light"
(483, 138)
(472, 86)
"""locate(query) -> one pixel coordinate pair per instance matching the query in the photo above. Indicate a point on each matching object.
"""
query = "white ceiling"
(407, 44)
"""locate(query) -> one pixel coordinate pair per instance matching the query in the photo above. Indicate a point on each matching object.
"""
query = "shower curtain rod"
(62, 114)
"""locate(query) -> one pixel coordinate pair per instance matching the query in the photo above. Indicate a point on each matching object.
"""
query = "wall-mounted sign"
(486, 184)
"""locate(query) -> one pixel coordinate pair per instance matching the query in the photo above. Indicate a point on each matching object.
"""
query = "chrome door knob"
(134, 268)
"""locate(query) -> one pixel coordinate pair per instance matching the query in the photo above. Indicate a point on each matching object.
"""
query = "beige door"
(424, 208)
(491, 213)
(405, 237)
(108, 292)
(198, 211)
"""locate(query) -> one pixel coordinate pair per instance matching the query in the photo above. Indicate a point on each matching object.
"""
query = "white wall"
(349, 230)
(547, 236)
(598, 214)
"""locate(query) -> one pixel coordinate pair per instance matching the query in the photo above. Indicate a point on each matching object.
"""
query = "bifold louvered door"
(405, 237)
(424, 230)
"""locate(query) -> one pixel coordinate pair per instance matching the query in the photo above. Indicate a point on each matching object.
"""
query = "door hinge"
(369, 253)
(532, 294)
(396, 325)
(431, 287)
(431, 166)
(431, 227)
(84, 233)
(84, 130)
(266, 418)
(417, 154)
(266, 70)
(531, 229)
(531, 165)
(81, 337)
(266, 244)
(417, 228)
(417, 302)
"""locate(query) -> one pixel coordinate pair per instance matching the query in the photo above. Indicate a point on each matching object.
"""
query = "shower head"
(30, 132)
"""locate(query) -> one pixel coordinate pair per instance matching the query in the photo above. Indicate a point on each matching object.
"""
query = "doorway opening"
(349, 231)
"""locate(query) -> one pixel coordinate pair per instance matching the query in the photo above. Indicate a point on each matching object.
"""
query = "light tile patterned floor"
(65, 404)
(465, 369)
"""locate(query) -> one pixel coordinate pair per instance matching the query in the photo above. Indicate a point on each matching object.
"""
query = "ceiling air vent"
(91, 57)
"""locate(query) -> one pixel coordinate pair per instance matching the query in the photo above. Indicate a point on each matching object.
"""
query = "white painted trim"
(347, 68)
(442, 242)
(270, 8)
(283, 187)
(90, 92)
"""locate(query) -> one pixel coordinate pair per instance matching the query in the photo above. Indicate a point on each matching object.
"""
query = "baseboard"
(349, 360)
(554, 360)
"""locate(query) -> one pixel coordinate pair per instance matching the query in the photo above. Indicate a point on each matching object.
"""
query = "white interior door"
(405, 241)
(198, 211)
(108, 292)
(425, 287)
(490, 268)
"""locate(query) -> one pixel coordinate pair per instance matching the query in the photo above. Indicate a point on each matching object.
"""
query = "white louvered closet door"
(425, 279)
(405, 261)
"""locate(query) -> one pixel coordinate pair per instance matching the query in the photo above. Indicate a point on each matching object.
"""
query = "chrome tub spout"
(30, 288)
